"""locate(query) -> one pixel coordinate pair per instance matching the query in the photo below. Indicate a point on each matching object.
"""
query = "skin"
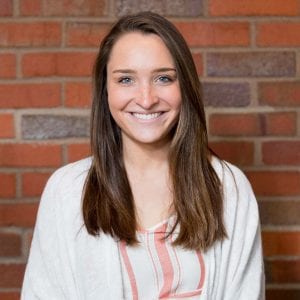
(142, 81)
(144, 99)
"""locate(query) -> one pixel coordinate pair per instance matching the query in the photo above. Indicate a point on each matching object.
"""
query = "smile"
(147, 116)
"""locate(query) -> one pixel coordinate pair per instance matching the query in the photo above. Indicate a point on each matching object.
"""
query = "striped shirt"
(157, 270)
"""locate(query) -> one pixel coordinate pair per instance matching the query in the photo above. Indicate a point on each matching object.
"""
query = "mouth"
(143, 116)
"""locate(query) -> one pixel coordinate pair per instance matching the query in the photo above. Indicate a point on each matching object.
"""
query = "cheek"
(116, 98)
(173, 96)
(177, 98)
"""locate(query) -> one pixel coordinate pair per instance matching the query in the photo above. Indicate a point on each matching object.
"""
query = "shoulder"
(231, 177)
(238, 195)
(70, 175)
(239, 255)
(63, 192)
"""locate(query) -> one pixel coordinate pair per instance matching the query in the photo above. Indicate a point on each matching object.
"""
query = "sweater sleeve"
(44, 271)
(244, 272)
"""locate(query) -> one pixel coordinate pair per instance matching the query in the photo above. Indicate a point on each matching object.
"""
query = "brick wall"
(248, 57)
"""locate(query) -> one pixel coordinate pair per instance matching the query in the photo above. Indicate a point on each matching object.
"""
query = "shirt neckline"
(157, 228)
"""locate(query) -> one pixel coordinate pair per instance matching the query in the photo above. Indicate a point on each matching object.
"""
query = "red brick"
(10, 244)
(280, 293)
(278, 34)
(27, 238)
(7, 185)
(31, 8)
(281, 243)
(279, 123)
(86, 34)
(254, 7)
(78, 151)
(21, 214)
(30, 34)
(74, 8)
(281, 153)
(201, 34)
(283, 271)
(10, 296)
(39, 64)
(252, 124)
(275, 183)
(34, 183)
(11, 275)
(30, 155)
(58, 64)
(198, 60)
(234, 124)
(239, 153)
(75, 64)
(279, 212)
(7, 65)
(78, 94)
(7, 127)
(31, 95)
(285, 93)
(6, 8)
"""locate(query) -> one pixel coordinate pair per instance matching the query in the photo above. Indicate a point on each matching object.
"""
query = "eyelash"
(164, 79)
(125, 80)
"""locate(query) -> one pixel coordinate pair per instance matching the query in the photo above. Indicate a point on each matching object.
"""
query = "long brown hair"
(108, 204)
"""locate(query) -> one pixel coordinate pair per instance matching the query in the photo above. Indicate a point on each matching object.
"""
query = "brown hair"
(108, 204)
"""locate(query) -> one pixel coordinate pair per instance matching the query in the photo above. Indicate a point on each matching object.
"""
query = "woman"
(153, 214)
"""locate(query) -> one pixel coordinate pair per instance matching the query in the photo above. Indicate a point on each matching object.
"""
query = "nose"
(147, 97)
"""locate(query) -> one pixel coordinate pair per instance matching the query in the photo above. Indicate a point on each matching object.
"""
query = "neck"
(147, 169)
(145, 157)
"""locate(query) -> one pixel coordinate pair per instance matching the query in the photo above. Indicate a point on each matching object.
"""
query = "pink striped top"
(157, 270)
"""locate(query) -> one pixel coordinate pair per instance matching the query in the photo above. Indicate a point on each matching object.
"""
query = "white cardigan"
(66, 262)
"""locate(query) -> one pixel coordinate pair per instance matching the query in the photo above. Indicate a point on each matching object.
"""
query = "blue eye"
(165, 79)
(125, 80)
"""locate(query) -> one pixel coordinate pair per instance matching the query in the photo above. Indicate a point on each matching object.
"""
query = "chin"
(152, 140)
(147, 137)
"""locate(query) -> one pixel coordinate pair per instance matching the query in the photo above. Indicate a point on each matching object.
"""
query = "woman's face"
(143, 89)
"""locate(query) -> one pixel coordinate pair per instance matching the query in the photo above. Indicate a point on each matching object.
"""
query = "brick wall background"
(248, 57)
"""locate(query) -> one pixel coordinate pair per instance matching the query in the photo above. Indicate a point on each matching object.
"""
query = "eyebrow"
(129, 71)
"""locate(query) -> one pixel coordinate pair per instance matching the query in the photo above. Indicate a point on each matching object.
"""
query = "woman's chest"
(155, 269)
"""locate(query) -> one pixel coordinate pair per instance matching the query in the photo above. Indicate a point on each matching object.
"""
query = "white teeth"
(147, 116)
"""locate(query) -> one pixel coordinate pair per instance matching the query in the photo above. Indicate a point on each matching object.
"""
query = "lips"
(143, 116)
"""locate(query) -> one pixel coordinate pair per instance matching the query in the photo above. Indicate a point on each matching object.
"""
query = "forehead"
(140, 47)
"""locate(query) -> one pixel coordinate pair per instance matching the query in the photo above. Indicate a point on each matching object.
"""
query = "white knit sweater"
(66, 262)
